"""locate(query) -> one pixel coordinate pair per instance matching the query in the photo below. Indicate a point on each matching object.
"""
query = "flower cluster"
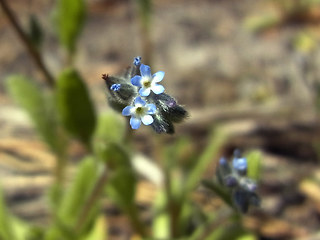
(139, 95)
(234, 176)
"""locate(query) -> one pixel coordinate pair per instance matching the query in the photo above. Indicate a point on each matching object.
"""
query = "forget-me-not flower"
(148, 82)
(139, 112)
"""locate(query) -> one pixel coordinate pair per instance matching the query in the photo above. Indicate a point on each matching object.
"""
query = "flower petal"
(158, 76)
(127, 111)
(139, 100)
(147, 119)
(135, 123)
(145, 70)
(151, 108)
(136, 80)
(157, 89)
(144, 92)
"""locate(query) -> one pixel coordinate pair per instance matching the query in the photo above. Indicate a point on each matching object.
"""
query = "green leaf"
(99, 231)
(75, 106)
(20, 228)
(261, 23)
(35, 31)
(69, 18)
(254, 165)
(216, 140)
(110, 128)
(75, 198)
(161, 221)
(6, 228)
(122, 179)
(40, 109)
(219, 190)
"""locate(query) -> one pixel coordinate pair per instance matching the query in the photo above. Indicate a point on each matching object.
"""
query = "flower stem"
(34, 53)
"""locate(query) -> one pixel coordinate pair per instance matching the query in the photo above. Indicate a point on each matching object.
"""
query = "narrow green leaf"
(75, 198)
(20, 228)
(69, 18)
(161, 221)
(254, 165)
(40, 109)
(75, 106)
(145, 7)
(209, 154)
(6, 229)
(219, 190)
(99, 230)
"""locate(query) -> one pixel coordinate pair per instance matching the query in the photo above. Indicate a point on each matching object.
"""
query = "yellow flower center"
(146, 83)
(139, 110)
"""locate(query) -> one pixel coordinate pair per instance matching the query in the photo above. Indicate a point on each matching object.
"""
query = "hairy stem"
(34, 53)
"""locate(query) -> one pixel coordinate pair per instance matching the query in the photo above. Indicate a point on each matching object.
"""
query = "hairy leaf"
(75, 106)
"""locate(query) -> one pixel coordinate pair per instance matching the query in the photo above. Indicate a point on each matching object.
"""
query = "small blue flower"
(147, 82)
(137, 61)
(240, 164)
(115, 87)
(139, 112)
(223, 161)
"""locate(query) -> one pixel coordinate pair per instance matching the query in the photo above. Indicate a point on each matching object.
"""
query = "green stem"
(173, 204)
(92, 199)
(173, 207)
(136, 222)
(34, 53)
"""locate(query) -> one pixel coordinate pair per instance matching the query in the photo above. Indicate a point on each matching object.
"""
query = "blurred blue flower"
(148, 82)
(240, 164)
(223, 161)
(139, 112)
(137, 61)
(234, 176)
(115, 87)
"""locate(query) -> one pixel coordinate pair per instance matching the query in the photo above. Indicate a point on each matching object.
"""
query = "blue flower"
(139, 112)
(115, 87)
(147, 82)
(223, 161)
(240, 164)
(137, 61)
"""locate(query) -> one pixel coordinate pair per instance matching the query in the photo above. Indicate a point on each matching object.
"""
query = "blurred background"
(250, 67)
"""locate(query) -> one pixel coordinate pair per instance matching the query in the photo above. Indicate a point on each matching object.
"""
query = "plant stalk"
(32, 50)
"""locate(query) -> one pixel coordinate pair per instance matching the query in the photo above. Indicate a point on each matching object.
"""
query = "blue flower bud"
(240, 164)
(137, 61)
(231, 181)
(223, 161)
(115, 87)
(237, 153)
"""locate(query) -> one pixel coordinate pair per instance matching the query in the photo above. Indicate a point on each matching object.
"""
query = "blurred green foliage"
(69, 17)
(40, 107)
